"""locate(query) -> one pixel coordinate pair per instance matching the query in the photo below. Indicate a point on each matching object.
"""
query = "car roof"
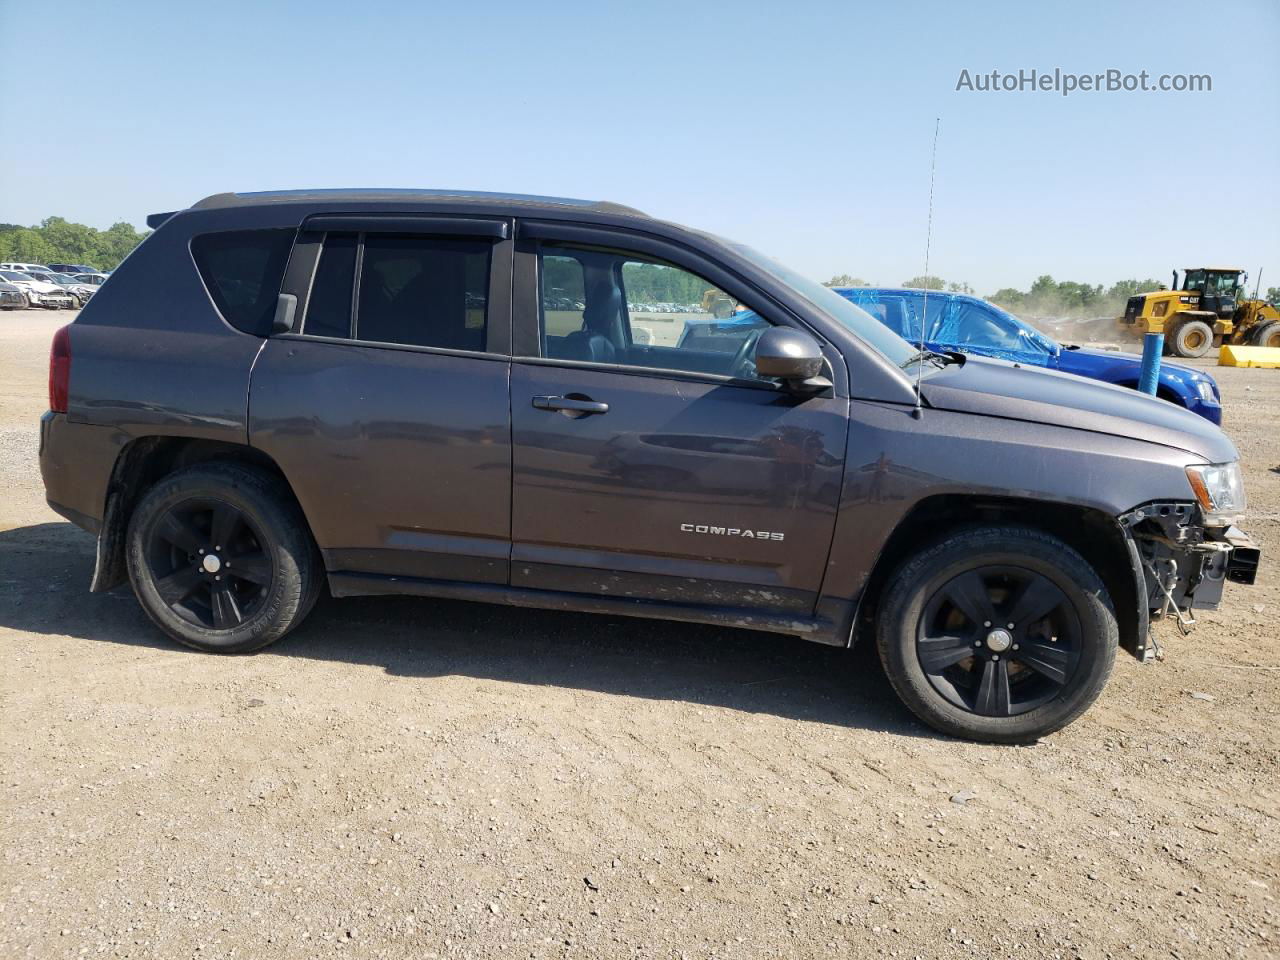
(921, 291)
(517, 201)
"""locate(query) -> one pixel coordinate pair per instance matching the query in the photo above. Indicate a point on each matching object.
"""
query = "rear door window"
(423, 291)
(409, 289)
(242, 271)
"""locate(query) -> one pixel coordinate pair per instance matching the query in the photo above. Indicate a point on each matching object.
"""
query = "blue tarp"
(955, 321)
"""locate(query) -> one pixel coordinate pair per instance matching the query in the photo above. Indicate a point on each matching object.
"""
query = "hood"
(998, 388)
(39, 286)
(1135, 360)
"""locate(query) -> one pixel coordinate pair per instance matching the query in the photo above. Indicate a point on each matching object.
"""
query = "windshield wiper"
(939, 359)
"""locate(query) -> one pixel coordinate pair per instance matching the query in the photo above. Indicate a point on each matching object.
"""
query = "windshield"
(12, 275)
(853, 318)
(1221, 284)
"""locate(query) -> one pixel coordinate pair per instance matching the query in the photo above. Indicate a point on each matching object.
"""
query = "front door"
(388, 408)
(649, 459)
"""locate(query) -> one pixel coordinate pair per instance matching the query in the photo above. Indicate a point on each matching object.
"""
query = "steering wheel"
(742, 364)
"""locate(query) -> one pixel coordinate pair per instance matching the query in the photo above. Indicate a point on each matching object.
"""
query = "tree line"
(57, 240)
(1046, 296)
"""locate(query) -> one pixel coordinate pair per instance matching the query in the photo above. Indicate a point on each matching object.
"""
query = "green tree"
(1273, 295)
(959, 288)
(1008, 297)
(928, 282)
(57, 239)
(1124, 289)
(845, 280)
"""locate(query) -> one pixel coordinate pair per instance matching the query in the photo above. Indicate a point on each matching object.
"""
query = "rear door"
(649, 460)
(388, 406)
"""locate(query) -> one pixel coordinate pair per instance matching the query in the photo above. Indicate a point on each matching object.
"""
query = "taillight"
(60, 370)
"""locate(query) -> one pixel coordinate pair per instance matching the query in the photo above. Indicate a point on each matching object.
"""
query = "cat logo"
(731, 532)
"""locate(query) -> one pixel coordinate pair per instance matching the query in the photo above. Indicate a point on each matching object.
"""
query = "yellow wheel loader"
(1205, 310)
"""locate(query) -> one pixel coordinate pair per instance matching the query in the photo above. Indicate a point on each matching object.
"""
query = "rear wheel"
(221, 560)
(1192, 338)
(1267, 335)
(1001, 634)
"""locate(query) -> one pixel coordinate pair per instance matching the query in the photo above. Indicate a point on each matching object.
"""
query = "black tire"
(1060, 662)
(1192, 338)
(191, 586)
(1267, 335)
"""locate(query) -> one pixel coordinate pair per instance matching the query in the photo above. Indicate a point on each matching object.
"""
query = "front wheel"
(220, 558)
(999, 634)
(1192, 338)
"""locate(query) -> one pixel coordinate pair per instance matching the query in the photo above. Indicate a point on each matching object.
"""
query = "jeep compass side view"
(527, 400)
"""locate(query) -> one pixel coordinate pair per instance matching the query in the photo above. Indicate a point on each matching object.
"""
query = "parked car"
(284, 389)
(40, 293)
(25, 267)
(71, 268)
(93, 279)
(81, 291)
(973, 326)
(12, 297)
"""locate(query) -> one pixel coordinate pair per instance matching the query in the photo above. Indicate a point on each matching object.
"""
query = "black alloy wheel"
(208, 564)
(999, 641)
(1002, 634)
(221, 557)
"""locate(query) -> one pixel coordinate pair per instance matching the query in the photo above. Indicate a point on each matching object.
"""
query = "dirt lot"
(414, 778)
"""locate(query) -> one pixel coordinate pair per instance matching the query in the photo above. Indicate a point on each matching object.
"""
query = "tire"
(222, 598)
(1192, 338)
(939, 659)
(1267, 335)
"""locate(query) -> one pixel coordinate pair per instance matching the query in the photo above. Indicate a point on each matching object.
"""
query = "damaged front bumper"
(1184, 563)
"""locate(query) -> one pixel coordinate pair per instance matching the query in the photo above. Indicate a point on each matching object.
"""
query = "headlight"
(1205, 389)
(1219, 487)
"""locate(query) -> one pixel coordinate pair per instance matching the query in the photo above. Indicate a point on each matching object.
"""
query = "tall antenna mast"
(928, 240)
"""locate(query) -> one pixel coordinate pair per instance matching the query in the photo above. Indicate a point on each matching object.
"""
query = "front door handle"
(571, 405)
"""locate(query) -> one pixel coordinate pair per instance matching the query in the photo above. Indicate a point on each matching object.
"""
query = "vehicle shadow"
(45, 571)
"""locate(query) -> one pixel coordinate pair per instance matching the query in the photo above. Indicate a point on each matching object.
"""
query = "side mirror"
(286, 305)
(793, 357)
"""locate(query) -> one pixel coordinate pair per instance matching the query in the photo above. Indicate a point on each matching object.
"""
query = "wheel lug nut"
(995, 656)
(1015, 646)
(977, 643)
(986, 623)
(1011, 626)
(219, 578)
(201, 550)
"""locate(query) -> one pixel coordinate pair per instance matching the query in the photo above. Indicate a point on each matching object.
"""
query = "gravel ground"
(411, 778)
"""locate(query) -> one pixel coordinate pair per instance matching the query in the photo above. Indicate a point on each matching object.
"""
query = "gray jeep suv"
(494, 398)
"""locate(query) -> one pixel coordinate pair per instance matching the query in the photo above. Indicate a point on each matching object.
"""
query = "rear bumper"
(76, 460)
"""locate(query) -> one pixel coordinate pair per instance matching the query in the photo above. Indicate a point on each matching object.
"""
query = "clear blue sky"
(802, 128)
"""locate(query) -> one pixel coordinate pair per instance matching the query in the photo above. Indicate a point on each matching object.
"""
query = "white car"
(39, 293)
(93, 279)
(25, 267)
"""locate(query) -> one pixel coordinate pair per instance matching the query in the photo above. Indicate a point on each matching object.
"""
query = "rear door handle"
(572, 404)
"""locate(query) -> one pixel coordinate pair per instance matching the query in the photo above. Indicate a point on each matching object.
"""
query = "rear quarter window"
(242, 271)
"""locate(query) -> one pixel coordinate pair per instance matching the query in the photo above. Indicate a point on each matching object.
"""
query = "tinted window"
(329, 305)
(243, 271)
(426, 291)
